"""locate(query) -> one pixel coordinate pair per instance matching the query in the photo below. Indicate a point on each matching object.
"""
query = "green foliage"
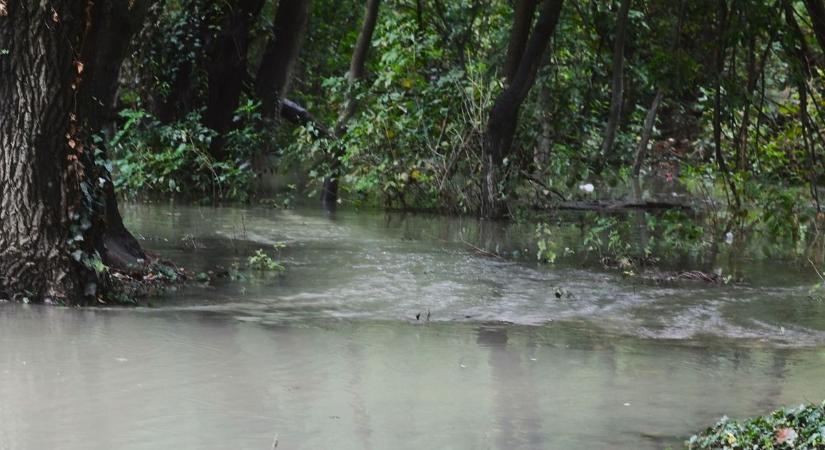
(433, 74)
(419, 123)
(154, 159)
(263, 262)
(546, 245)
(802, 427)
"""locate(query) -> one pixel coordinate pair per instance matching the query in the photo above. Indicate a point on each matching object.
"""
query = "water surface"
(330, 354)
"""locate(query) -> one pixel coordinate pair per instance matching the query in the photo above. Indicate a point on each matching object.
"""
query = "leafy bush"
(263, 262)
(414, 141)
(802, 427)
(156, 159)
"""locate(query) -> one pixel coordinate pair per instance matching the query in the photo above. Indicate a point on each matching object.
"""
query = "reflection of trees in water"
(360, 413)
(518, 419)
(772, 395)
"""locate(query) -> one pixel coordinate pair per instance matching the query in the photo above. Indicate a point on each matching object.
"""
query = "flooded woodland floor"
(338, 352)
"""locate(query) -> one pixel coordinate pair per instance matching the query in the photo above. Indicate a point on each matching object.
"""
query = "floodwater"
(330, 354)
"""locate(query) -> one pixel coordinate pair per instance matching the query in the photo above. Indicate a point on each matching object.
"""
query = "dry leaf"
(4, 8)
(79, 66)
(784, 435)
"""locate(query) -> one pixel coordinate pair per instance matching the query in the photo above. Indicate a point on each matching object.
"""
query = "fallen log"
(621, 205)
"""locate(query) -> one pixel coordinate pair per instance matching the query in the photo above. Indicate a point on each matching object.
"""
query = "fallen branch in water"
(481, 251)
(620, 205)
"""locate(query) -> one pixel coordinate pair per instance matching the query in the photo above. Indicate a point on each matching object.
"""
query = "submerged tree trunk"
(647, 130)
(501, 125)
(618, 81)
(107, 44)
(227, 68)
(329, 194)
(42, 214)
(280, 54)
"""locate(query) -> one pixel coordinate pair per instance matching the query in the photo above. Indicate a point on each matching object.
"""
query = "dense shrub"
(155, 159)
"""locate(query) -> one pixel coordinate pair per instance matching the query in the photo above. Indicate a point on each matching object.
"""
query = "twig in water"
(821, 277)
(481, 251)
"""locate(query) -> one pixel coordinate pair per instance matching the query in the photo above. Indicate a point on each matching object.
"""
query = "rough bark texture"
(280, 54)
(501, 125)
(227, 67)
(107, 45)
(329, 193)
(618, 80)
(39, 172)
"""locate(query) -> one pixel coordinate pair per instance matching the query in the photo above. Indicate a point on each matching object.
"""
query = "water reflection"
(102, 379)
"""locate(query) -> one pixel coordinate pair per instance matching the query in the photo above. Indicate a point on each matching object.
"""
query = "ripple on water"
(365, 267)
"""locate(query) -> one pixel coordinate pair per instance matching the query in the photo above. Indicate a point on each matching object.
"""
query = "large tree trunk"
(41, 204)
(357, 67)
(618, 81)
(280, 54)
(501, 125)
(107, 44)
(227, 68)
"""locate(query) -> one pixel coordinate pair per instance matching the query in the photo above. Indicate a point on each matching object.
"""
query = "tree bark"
(501, 125)
(618, 81)
(280, 54)
(226, 68)
(803, 53)
(41, 203)
(522, 22)
(329, 193)
(647, 130)
(803, 72)
(107, 45)
(721, 48)
(816, 9)
(541, 156)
